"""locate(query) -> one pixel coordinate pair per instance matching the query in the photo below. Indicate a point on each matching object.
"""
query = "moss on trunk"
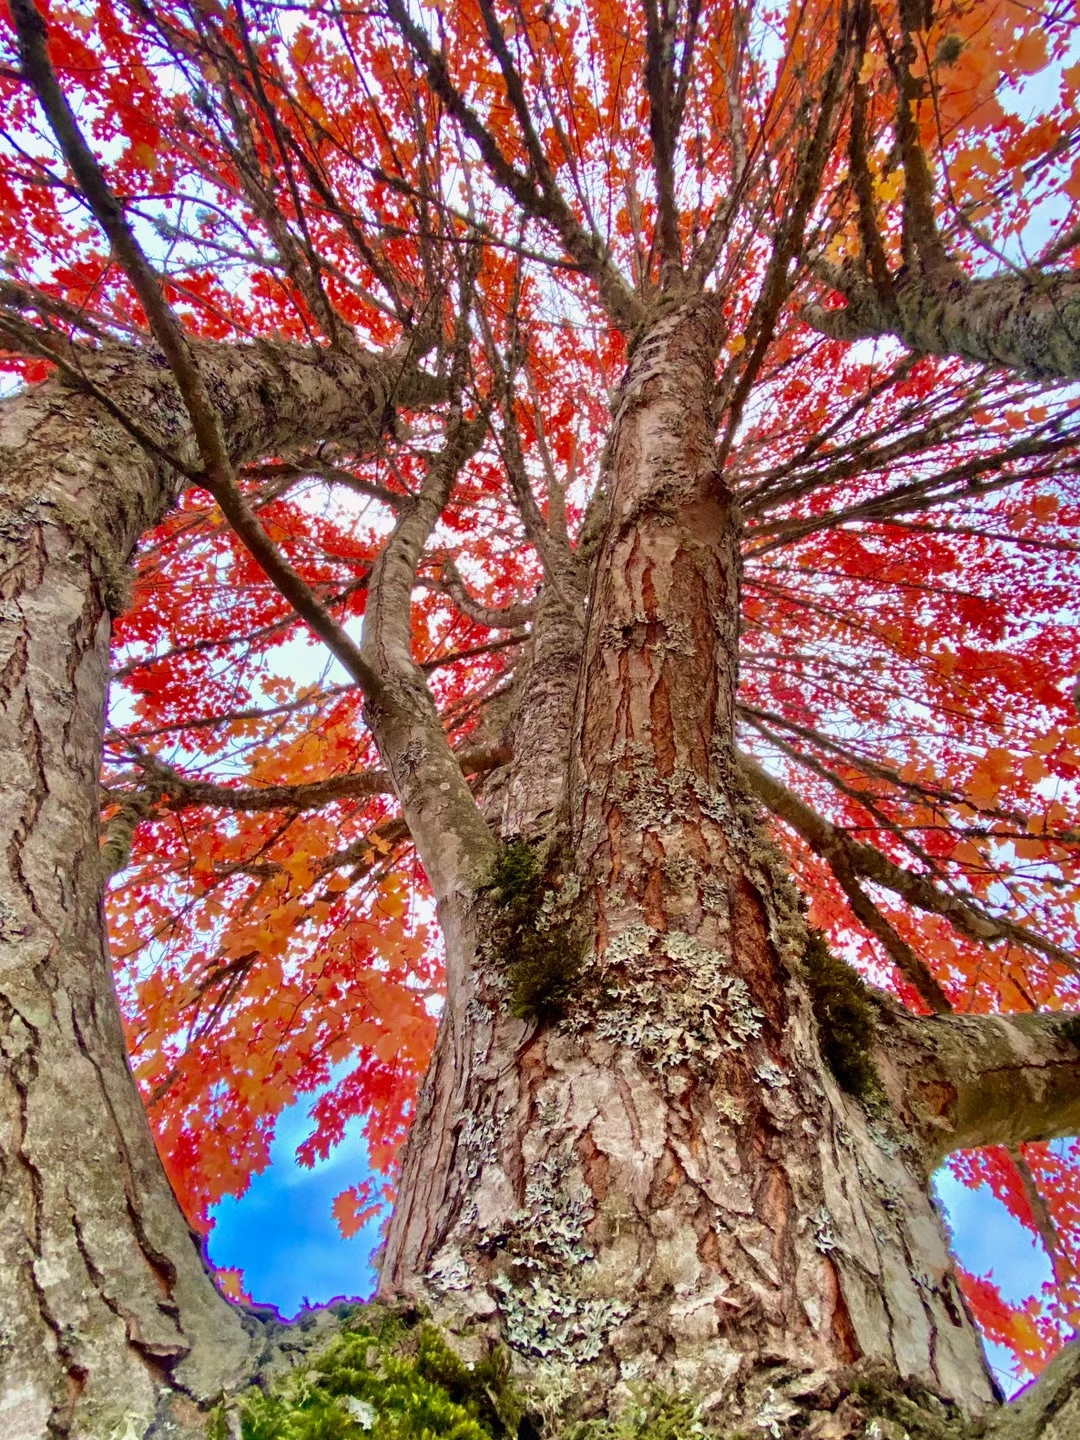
(534, 935)
(390, 1374)
(844, 1011)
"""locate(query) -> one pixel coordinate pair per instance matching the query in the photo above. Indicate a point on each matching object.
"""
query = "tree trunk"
(106, 1309)
(664, 1179)
(651, 1174)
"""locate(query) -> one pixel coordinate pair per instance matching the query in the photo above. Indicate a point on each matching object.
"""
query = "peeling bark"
(106, 1309)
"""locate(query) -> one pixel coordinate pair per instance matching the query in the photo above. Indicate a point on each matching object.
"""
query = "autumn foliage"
(910, 646)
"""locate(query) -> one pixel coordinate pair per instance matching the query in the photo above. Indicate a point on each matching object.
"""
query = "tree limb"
(1028, 322)
(504, 617)
(449, 832)
(172, 790)
(960, 1081)
(1048, 1408)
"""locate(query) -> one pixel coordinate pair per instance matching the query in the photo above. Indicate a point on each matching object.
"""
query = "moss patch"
(845, 1016)
(1070, 1028)
(392, 1376)
(914, 1411)
(384, 1381)
(653, 1416)
(537, 943)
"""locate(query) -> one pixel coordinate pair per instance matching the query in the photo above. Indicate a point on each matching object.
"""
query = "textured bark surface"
(536, 790)
(959, 1081)
(1047, 1410)
(666, 1182)
(105, 1306)
(1027, 322)
(663, 1182)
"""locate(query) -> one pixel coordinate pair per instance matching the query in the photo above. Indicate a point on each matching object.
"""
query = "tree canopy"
(497, 198)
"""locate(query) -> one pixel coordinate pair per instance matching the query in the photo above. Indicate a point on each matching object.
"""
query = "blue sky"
(282, 1235)
(987, 1240)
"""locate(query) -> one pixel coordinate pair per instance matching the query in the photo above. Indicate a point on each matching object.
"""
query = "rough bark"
(535, 795)
(665, 1181)
(105, 1306)
(1028, 321)
(960, 1081)
(1049, 1409)
(446, 826)
(661, 1180)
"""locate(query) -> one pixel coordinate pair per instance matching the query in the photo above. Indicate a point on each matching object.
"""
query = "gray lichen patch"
(542, 1262)
(661, 634)
(670, 997)
(550, 1320)
(651, 801)
(548, 1231)
(545, 1248)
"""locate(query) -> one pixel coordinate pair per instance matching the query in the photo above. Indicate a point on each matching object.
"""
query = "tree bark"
(659, 1179)
(960, 1081)
(106, 1309)
(665, 1182)
(1028, 322)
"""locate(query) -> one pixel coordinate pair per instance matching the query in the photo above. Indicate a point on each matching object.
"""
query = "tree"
(528, 335)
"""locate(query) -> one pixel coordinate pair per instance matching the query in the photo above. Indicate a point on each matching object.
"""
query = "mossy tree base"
(375, 1373)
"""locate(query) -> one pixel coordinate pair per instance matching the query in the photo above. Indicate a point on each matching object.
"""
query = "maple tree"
(602, 501)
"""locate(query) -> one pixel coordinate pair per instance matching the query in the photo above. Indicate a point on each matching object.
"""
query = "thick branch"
(1027, 322)
(175, 791)
(959, 1081)
(505, 617)
(447, 827)
(207, 423)
(663, 130)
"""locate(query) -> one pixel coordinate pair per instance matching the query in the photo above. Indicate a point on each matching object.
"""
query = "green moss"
(655, 1415)
(385, 1381)
(485, 1387)
(916, 1412)
(1070, 1028)
(538, 944)
(516, 877)
(392, 1376)
(845, 1016)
